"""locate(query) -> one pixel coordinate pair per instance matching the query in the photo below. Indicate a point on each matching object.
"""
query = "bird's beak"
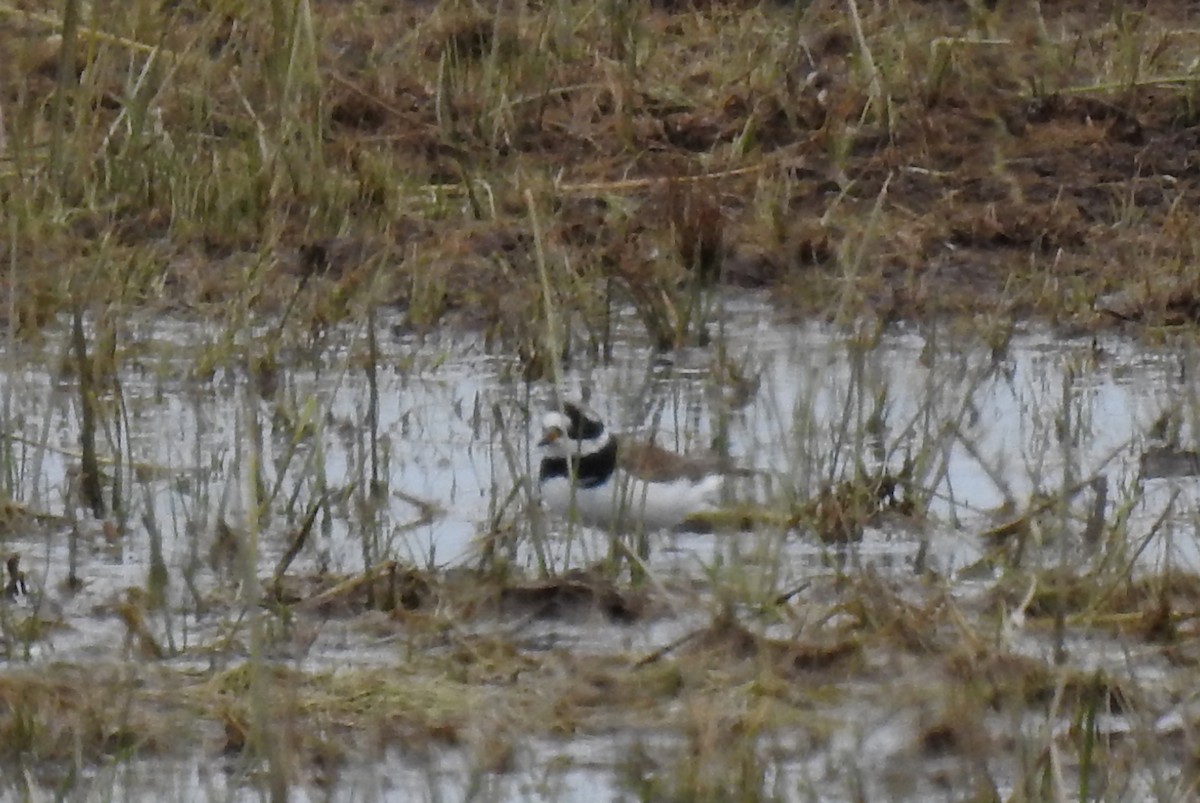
(551, 435)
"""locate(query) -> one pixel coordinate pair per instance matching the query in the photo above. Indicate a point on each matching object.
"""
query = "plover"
(588, 475)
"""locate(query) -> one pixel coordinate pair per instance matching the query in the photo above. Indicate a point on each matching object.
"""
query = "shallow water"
(455, 429)
(806, 425)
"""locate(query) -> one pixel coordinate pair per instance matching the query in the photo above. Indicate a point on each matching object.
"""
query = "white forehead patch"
(556, 420)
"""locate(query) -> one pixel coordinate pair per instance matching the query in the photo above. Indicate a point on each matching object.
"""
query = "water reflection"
(987, 433)
(980, 428)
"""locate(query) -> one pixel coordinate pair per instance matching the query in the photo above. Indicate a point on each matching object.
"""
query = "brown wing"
(656, 464)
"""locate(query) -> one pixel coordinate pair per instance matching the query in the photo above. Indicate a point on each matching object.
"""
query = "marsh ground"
(913, 159)
(308, 184)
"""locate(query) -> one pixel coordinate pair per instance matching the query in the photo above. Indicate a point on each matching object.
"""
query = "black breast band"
(588, 470)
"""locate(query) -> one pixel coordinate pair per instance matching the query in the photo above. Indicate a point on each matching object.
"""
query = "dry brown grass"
(795, 669)
(1034, 158)
(491, 170)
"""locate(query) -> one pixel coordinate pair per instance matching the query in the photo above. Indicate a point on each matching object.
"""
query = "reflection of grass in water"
(178, 143)
(758, 657)
(727, 692)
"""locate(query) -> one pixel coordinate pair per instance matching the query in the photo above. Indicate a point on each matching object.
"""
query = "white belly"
(625, 504)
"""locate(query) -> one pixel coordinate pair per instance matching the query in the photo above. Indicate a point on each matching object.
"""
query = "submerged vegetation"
(242, 242)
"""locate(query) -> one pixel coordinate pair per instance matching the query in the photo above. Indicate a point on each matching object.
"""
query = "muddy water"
(981, 425)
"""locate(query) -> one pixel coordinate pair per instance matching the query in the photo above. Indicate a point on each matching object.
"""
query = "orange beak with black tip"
(551, 435)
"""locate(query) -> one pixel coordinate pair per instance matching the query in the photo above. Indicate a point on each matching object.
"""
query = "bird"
(16, 585)
(589, 475)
